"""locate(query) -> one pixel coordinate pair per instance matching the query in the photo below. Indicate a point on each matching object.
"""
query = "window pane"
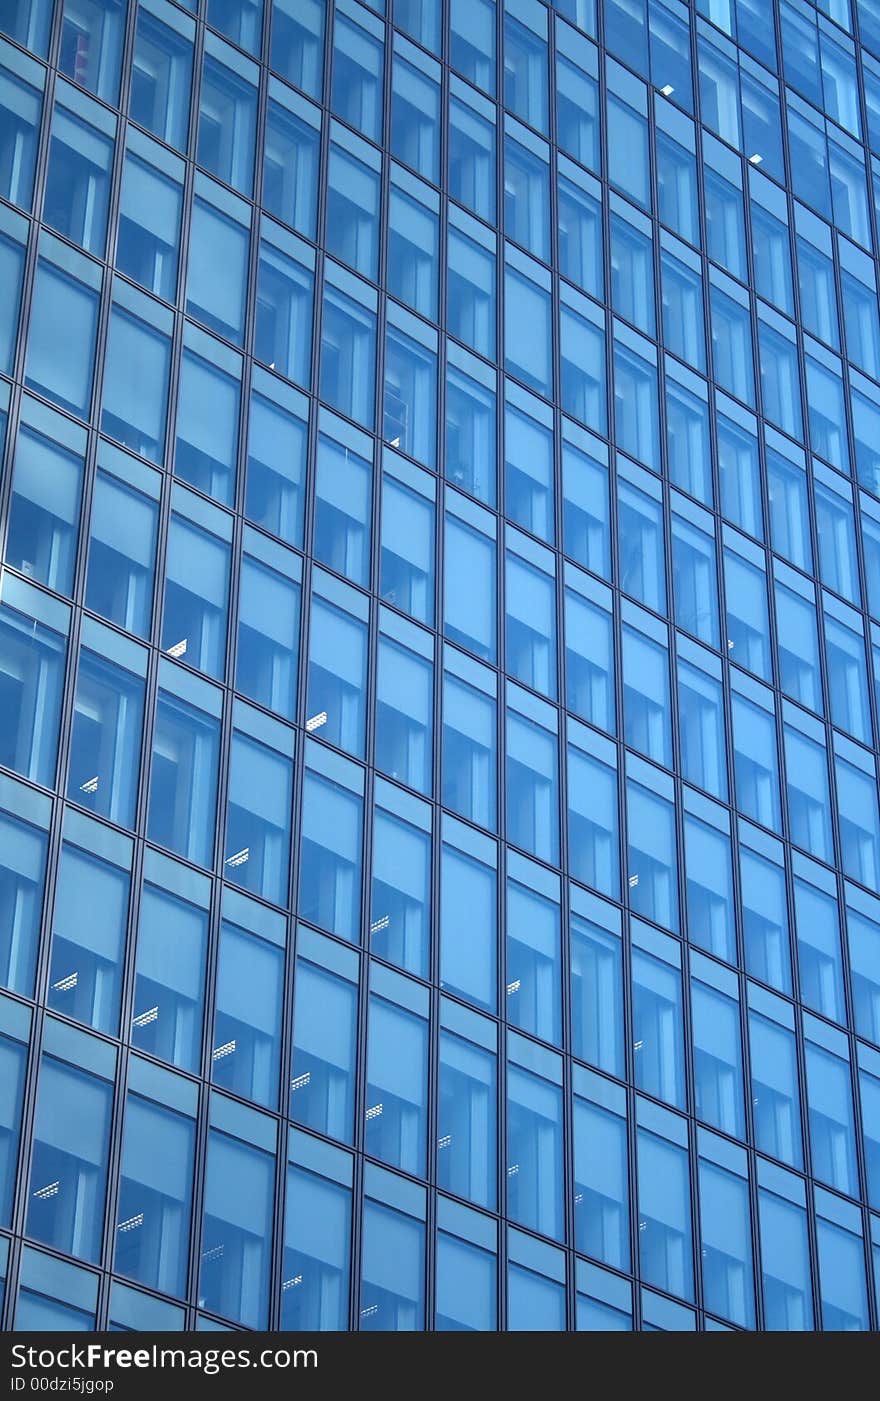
(169, 989)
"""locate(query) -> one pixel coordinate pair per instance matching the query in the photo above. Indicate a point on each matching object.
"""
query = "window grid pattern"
(442, 578)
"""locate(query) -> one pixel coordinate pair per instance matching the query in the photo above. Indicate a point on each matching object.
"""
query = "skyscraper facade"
(440, 664)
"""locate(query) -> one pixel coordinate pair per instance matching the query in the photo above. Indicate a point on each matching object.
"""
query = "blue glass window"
(409, 396)
(45, 507)
(709, 885)
(196, 589)
(640, 541)
(415, 115)
(785, 1260)
(206, 441)
(859, 821)
(646, 696)
(466, 1156)
(276, 460)
(468, 960)
(532, 779)
(358, 62)
(122, 548)
(466, 1286)
(740, 474)
(237, 1230)
(290, 163)
(161, 79)
(13, 1060)
(469, 749)
(589, 660)
(63, 370)
(657, 1022)
(353, 208)
(258, 820)
(808, 799)
(470, 292)
(798, 643)
(534, 1152)
(317, 1246)
(677, 187)
(68, 1175)
(404, 721)
(136, 367)
(684, 331)
(348, 355)
(832, 1131)
(694, 580)
(392, 1270)
(472, 156)
(406, 566)
(216, 278)
(148, 238)
(592, 821)
(13, 235)
(268, 628)
(90, 52)
(534, 992)
(400, 910)
(527, 332)
(665, 1238)
(246, 1048)
(227, 117)
(397, 1088)
(842, 1276)
(469, 584)
(586, 510)
(597, 994)
(627, 133)
(582, 361)
(330, 872)
(534, 1302)
(775, 1097)
(33, 647)
(732, 346)
(183, 778)
(78, 172)
(169, 989)
(701, 729)
(336, 701)
(847, 674)
(297, 46)
(21, 103)
(717, 1060)
(580, 236)
(413, 237)
(322, 1073)
(577, 107)
(22, 881)
(748, 628)
(472, 41)
(525, 69)
(105, 744)
(527, 197)
(728, 1280)
(88, 938)
(601, 1190)
(240, 20)
(651, 857)
(470, 427)
(155, 1194)
(343, 501)
(757, 775)
(530, 637)
(765, 919)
